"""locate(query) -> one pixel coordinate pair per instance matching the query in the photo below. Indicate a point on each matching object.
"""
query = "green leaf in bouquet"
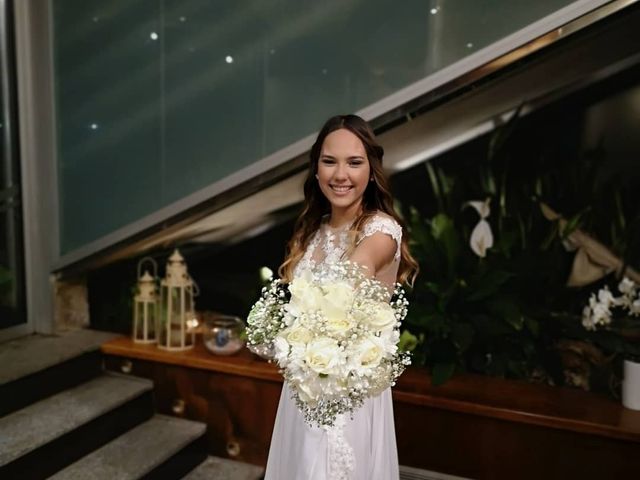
(442, 372)
(408, 341)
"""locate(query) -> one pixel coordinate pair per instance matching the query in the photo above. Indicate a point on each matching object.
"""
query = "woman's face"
(343, 170)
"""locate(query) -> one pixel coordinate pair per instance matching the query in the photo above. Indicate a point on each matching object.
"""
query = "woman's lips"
(340, 189)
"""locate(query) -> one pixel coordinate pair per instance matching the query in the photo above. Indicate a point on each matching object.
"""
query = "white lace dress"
(358, 448)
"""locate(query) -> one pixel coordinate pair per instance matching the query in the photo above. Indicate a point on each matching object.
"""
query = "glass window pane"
(157, 99)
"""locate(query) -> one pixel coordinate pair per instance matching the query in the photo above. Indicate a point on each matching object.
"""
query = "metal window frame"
(10, 191)
(36, 126)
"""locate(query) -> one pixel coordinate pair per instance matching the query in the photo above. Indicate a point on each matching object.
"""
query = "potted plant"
(619, 315)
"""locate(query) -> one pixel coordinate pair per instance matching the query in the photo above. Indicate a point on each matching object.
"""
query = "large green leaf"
(508, 309)
(462, 335)
(443, 230)
(485, 284)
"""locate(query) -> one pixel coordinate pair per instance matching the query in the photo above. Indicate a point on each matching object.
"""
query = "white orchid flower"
(482, 236)
(627, 286)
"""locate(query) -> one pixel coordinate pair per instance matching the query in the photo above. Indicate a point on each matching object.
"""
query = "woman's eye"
(355, 163)
(328, 161)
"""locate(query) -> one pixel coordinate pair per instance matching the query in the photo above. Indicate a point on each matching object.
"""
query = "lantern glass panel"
(139, 323)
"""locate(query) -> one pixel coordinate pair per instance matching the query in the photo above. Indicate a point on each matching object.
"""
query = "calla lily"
(482, 236)
(482, 208)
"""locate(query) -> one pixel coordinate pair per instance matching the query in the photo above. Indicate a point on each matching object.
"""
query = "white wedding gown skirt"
(301, 452)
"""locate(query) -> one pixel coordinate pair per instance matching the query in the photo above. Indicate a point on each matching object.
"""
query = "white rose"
(306, 393)
(305, 297)
(322, 355)
(383, 317)
(339, 326)
(338, 300)
(368, 352)
(297, 335)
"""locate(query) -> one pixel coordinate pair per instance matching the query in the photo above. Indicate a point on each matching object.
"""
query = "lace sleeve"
(385, 225)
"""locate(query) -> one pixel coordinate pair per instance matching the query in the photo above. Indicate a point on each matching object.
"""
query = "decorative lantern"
(145, 305)
(177, 310)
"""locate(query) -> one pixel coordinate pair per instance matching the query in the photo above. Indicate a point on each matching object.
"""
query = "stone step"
(140, 452)
(37, 366)
(33, 353)
(225, 469)
(48, 435)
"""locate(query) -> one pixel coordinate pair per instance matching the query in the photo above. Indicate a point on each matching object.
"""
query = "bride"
(348, 214)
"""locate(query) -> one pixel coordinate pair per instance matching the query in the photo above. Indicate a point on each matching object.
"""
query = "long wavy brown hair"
(377, 198)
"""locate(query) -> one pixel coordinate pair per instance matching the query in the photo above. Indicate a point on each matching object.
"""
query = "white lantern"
(177, 309)
(145, 305)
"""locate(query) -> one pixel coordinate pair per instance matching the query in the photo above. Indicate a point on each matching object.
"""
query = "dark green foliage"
(506, 313)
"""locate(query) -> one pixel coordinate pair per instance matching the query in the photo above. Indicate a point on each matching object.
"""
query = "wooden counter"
(473, 426)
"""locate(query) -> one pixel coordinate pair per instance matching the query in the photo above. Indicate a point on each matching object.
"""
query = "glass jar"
(223, 334)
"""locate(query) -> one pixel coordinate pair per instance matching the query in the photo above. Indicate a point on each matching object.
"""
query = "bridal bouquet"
(334, 333)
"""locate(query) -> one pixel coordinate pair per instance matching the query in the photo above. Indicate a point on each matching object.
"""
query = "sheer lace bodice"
(330, 245)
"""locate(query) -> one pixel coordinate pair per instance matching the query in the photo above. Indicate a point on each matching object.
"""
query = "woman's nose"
(340, 172)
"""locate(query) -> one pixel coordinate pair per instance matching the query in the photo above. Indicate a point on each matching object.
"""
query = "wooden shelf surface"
(509, 400)
(243, 363)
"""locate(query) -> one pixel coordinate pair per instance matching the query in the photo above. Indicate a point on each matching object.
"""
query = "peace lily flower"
(482, 236)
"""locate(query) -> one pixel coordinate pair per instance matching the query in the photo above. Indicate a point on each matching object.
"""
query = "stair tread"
(136, 452)
(33, 353)
(44, 421)
(225, 469)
